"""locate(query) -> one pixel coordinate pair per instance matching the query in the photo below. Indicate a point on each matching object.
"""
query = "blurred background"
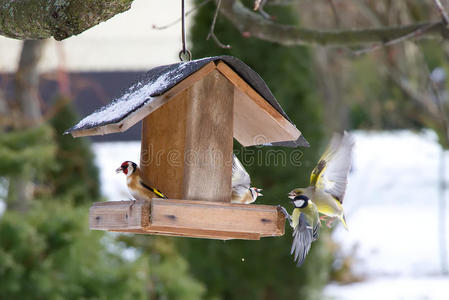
(394, 100)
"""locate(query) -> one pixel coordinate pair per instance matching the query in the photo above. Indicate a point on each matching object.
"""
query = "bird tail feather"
(343, 221)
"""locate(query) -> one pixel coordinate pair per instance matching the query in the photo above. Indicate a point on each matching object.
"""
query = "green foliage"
(50, 253)
(265, 269)
(75, 173)
(168, 270)
(24, 150)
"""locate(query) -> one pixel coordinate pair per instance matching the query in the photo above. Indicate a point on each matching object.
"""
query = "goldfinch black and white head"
(127, 167)
(136, 185)
(255, 192)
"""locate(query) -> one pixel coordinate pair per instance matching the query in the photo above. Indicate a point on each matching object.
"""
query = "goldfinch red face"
(127, 168)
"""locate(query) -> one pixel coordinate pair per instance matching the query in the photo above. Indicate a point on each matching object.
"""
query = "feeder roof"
(158, 81)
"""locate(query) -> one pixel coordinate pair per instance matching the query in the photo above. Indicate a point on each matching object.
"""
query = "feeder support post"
(187, 143)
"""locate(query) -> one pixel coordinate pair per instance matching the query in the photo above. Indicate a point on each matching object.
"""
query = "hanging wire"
(184, 54)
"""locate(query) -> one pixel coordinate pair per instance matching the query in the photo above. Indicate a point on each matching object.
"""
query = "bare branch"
(280, 2)
(259, 6)
(179, 19)
(411, 35)
(420, 100)
(212, 28)
(442, 11)
(252, 24)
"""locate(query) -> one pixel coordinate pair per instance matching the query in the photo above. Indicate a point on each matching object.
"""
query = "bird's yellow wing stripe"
(156, 191)
(321, 165)
(317, 171)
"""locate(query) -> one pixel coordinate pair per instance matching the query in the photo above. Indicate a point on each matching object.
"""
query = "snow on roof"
(160, 79)
(138, 95)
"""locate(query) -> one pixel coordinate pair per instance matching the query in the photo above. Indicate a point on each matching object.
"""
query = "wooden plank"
(209, 139)
(202, 234)
(119, 215)
(141, 113)
(260, 219)
(163, 147)
(200, 219)
(255, 120)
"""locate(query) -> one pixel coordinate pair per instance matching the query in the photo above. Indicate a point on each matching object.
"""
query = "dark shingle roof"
(160, 79)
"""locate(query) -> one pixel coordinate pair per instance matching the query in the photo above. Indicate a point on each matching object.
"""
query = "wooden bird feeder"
(191, 111)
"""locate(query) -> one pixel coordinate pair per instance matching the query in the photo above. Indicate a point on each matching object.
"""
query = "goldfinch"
(306, 224)
(136, 187)
(241, 191)
(329, 178)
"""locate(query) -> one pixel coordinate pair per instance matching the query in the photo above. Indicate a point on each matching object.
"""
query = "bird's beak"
(118, 170)
(292, 195)
(258, 191)
(259, 194)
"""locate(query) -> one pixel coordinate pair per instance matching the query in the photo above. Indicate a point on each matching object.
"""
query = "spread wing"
(303, 235)
(313, 218)
(331, 172)
(241, 181)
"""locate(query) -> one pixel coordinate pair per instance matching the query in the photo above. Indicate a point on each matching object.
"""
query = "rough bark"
(40, 19)
(253, 24)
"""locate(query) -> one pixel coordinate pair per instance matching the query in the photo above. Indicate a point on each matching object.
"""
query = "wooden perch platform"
(201, 219)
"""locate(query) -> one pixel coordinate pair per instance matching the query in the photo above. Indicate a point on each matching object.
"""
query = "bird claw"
(286, 214)
(328, 220)
(284, 211)
(134, 202)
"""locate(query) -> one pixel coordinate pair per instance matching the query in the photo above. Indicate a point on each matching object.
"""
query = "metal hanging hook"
(184, 54)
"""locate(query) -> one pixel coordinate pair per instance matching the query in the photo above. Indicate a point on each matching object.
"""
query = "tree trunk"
(26, 87)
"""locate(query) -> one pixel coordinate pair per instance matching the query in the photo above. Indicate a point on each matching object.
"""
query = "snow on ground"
(392, 288)
(391, 208)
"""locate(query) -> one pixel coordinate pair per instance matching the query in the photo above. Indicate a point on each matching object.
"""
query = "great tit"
(306, 224)
(329, 178)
